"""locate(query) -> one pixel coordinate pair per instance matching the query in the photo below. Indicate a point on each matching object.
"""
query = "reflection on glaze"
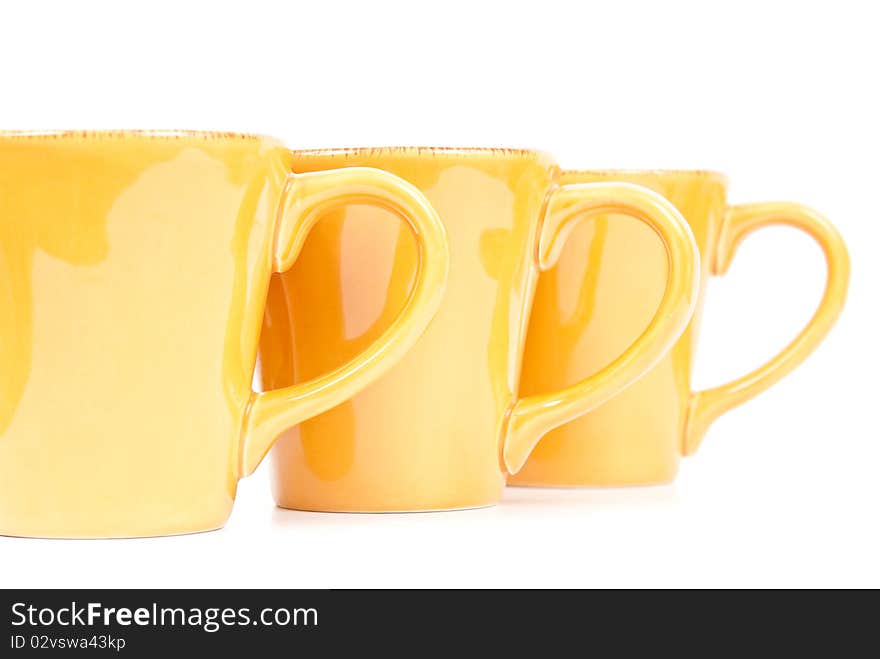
(27, 233)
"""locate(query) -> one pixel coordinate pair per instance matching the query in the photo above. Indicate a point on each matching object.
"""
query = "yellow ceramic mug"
(440, 429)
(602, 293)
(133, 273)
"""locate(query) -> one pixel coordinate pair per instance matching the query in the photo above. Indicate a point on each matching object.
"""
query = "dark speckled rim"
(707, 174)
(123, 134)
(425, 151)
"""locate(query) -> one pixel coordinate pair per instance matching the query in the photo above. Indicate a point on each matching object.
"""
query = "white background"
(782, 96)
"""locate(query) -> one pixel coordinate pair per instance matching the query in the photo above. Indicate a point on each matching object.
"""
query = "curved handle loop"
(307, 197)
(740, 221)
(532, 417)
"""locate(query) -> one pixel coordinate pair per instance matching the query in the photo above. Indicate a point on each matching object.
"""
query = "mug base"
(383, 511)
(48, 535)
(659, 482)
(109, 534)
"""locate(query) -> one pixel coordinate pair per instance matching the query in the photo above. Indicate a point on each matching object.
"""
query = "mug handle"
(740, 221)
(532, 417)
(307, 197)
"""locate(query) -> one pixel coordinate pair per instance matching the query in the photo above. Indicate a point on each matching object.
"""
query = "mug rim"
(436, 151)
(661, 172)
(132, 133)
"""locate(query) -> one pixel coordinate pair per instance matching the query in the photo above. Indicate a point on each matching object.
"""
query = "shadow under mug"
(602, 292)
(445, 425)
(133, 273)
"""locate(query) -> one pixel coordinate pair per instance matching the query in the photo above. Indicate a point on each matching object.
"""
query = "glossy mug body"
(445, 425)
(601, 293)
(133, 275)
